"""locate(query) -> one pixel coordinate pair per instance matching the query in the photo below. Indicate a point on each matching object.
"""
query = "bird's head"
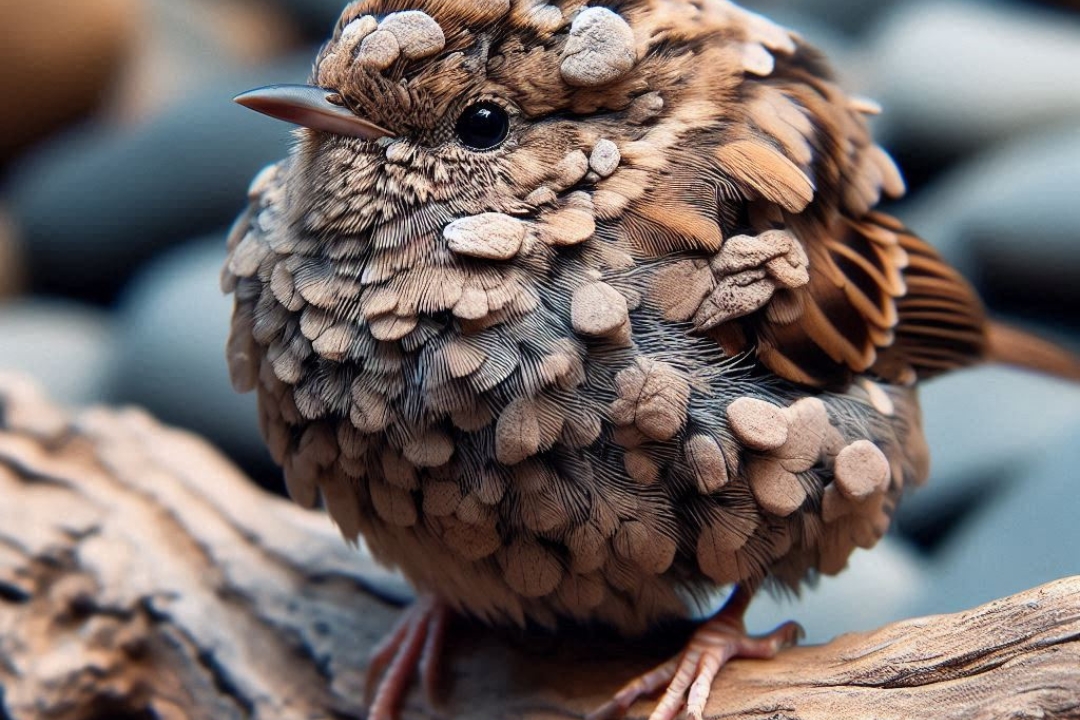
(503, 123)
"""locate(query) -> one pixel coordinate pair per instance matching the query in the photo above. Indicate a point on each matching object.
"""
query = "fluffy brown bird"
(580, 313)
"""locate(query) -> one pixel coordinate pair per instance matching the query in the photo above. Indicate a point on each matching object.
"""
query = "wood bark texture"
(143, 576)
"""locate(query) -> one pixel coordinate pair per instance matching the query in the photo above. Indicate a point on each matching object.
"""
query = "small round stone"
(488, 236)
(605, 157)
(861, 470)
(359, 29)
(760, 425)
(572, 224)
(645, 107)
(417, 33)
(570, 170)
(653, 396)
(379, 50)
(778, 491)
(598, 310)
(542, 195)
(545, 18)
(808, 425)
(600, 49)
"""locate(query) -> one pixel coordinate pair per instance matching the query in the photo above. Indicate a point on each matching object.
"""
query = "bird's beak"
(310, 107)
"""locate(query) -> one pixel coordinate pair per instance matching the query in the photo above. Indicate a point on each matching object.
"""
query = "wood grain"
(142, 575)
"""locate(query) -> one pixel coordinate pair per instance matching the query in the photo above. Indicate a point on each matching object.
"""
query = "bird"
(579, 313)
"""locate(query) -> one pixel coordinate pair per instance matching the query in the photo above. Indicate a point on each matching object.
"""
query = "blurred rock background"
(123, 162)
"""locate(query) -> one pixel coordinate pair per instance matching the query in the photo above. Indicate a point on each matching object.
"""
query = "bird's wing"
(879, 299)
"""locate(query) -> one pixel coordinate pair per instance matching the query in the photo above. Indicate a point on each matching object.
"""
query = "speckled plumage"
(658, 341)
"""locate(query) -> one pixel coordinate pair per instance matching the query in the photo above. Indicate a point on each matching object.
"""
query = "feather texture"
(879, 300)
(654, 341)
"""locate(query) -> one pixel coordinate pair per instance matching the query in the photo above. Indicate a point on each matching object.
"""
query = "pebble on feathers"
(491, 236)
(600, 49)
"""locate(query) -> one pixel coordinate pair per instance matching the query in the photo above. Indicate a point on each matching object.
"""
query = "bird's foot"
(414, 644)
(689, 676)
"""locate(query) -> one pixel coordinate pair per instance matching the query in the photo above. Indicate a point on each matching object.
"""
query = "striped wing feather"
(880, 300)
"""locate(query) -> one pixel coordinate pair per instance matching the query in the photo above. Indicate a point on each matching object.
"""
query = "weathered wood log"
(143, 576)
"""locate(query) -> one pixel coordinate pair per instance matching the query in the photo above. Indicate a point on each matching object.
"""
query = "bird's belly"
(611, 528)
(533, 520)
(527, 580)
(523, 472)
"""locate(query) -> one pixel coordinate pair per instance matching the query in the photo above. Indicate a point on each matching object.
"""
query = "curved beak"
(310, 107)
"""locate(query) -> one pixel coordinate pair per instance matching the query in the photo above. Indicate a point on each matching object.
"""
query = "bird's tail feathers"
(1012, 346)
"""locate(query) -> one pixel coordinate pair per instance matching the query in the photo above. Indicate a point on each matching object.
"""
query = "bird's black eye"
(483, 126)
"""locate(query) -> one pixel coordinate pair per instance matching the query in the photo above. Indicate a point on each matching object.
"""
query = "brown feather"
(768, 173)
(952, 336)
(880, 300)
(1013, 346)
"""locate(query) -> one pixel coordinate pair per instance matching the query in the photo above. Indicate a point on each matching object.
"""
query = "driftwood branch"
(143, 576)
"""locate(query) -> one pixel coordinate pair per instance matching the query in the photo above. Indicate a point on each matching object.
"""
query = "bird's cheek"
(399, 152)
(551, 154)
(530, 165)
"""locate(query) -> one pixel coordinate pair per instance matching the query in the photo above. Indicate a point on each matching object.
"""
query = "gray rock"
(850, 16)
(986, 429)
(819, 30)
(1011, 216)
(879, 586)
(89, 208)
(316, 18)
(65, 347)
(174, 323)
(955, 74)
(1026, 537)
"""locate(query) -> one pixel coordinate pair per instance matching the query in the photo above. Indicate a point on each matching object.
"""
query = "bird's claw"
(414, 644)
(689, 677)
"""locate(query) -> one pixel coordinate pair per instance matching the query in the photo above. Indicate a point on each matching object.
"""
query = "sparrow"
(578, 314)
